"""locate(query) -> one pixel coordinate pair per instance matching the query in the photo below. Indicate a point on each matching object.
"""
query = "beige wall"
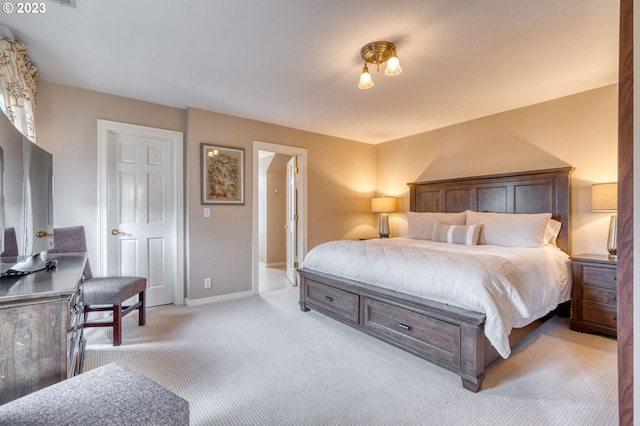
(341, 179)
(67, 126)
(276, 200)
(578, 130)
(263, 166)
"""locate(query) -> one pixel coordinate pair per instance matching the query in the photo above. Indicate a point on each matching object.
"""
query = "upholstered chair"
(102, 293)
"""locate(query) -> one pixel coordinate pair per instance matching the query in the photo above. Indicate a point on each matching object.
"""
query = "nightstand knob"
(615, 318)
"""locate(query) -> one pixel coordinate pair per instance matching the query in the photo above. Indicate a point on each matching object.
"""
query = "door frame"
(301, 154)
(105, 128)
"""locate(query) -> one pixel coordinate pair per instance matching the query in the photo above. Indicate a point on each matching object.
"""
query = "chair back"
(10, 243)
(71, 239)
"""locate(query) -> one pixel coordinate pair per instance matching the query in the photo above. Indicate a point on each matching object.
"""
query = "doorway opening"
(279, 215)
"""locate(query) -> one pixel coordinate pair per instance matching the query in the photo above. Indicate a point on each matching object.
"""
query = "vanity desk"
(41, 327)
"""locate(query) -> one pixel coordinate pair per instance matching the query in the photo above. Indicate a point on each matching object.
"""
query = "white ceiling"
(297, 62)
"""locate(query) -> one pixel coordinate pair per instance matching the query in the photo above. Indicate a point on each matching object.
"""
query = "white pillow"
(456, 234)
(551, 232)
(420, 224)
(510, 230)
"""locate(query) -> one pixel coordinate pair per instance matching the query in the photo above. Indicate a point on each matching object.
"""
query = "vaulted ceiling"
(296, 63)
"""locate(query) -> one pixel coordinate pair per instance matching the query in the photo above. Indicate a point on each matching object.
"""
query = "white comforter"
(511, 286)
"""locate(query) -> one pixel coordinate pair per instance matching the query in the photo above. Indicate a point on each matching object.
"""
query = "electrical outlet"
(207, 283)
(207, 212)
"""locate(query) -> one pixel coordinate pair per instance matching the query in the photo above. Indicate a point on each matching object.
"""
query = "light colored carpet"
(262, 361)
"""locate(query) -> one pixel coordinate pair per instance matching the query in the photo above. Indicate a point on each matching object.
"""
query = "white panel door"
(292, 221)
(141, 218)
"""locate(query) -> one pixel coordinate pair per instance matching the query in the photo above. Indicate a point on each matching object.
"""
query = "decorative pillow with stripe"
(456, 234)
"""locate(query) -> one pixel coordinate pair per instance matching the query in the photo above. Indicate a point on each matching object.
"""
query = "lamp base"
(384, 225)
(612, 246)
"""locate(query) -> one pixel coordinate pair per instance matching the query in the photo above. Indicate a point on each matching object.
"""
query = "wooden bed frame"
(450, 337)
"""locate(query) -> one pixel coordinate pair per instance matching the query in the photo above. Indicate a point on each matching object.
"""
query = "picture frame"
(222, 174)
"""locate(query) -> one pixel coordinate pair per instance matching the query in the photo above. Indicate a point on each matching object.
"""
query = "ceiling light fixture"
(376, 53)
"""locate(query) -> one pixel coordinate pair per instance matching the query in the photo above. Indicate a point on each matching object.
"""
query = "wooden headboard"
(539, 191)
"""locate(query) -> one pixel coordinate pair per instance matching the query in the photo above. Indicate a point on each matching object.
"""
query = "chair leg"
(142, 310)
(117, 325)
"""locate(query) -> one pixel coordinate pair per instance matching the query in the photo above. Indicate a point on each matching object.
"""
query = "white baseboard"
(216, 299)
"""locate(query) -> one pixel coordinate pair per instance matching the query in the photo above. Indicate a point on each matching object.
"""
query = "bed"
(370, 286)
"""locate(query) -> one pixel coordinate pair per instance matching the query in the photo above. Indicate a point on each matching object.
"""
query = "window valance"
(18, 90)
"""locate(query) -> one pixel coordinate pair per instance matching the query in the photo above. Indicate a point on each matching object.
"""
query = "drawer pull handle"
(328, 298)
(404, 326)
(615, 298)
(615, 278)
(615, 318)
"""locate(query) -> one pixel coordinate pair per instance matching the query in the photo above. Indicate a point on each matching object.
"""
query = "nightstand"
(595, 294)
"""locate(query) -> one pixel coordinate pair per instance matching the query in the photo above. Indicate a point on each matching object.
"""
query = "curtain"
(18, 90)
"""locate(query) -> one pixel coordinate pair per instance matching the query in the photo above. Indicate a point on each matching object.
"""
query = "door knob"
(116, 232)
(43, 234)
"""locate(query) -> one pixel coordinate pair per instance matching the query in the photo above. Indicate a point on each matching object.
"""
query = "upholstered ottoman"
(108, 395)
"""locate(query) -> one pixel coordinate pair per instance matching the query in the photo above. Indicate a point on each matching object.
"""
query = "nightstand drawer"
(336, 301)
(600, 295)
(599, 313)
(599, 276)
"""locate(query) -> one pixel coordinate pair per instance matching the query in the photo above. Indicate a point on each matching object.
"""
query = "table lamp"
(604, 198)
(383, 205)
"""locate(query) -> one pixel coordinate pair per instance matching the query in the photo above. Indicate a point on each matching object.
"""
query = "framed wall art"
(222, 169)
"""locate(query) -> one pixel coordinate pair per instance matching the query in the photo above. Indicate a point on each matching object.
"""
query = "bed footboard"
(450, 337)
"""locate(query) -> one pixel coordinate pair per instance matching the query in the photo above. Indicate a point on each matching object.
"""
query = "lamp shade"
(393, 67)
(383, 204)
(365, 79)
(604, 197)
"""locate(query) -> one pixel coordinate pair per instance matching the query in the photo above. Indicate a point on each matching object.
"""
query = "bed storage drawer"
(430, 336)
(338, 302)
